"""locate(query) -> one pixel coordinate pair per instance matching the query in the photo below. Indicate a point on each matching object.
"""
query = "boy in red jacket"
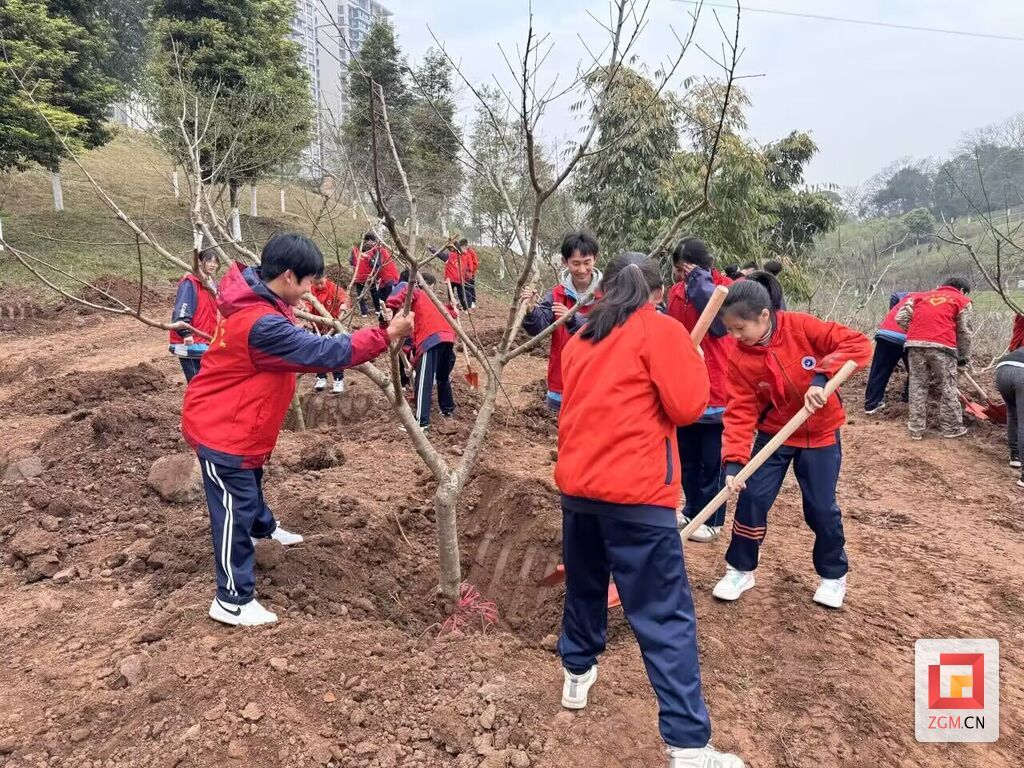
(700, 444)
(234, 408)
(374, 266)
(938, 326)
(781, 364)
(433, 349)
(456, 271)
(472, 265)
(334, 301)
(579, 255)
(195, 305)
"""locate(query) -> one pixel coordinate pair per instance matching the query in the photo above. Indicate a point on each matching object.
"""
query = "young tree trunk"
(1, 235)
(300, 418)
(58, 191)
(177, 189)
(445, 500)
(253, 211)
(234, 223)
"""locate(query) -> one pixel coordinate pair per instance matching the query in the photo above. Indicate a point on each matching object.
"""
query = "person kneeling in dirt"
(235, 407)
(195, 305)
(781, 364)
(579, 255)
(433, 348)
(618, 471)
(1010, 383)
(938, 326)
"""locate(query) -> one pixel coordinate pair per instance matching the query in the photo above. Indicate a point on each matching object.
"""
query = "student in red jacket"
(938, 326)
(433, 349)
(472, 266)
(195, 305)
(456, 271)
(889, 350)
(334, 300)
(700, 444)
(367, 262)
(618, 473)
(1017, 338)
(579, 255)
(234, 408)
(781, 364)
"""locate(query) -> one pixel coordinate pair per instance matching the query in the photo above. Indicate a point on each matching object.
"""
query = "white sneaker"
(701, 757)
(706, 533)
(286, 538)
(339, 386)
(577, 687)
(251, 614)
(321, 384)
(831, 592)
(876, 409)
(956, 433)
(733, 584)
(1014, 462)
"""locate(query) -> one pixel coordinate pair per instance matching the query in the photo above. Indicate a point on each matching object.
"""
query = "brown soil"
(108, 658)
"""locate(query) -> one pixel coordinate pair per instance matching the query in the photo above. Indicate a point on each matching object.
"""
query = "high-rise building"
(331, 32)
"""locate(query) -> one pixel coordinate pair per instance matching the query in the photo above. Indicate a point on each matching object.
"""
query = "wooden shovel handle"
(762, 456)
(707, 317)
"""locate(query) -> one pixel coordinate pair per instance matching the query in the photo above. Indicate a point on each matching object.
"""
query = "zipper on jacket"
(805, 427)
(668, 462)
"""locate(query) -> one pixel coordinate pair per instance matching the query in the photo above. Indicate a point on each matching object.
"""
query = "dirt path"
(114, 663)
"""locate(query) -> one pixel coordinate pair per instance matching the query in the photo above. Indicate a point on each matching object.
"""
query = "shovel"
(765, 453)
(991, 410)
(700, 329)
(471, 375)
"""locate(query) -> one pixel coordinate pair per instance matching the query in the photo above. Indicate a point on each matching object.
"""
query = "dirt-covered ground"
(107, 657)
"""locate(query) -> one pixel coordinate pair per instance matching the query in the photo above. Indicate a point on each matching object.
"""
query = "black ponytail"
(771, 284)
(628, 284)
(747, 299)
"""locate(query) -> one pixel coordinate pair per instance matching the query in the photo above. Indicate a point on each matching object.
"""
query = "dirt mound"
(121, 288)
(75, 391)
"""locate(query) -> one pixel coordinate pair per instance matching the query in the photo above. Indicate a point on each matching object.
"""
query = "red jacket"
(1017, 340)
(330, 295)
(543, 315)
(472, 262)
(456, 268)
(431, 328)
(388, 272)
(935, 316)
(889, 323)
(767, 384)
(717, 349)
(623, 399)
(235, 405)
(196, 306)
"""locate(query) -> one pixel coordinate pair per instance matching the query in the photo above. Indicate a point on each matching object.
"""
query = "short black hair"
(290, 250)
(463, 242)
(369, 237)
(731, 271)
(959, 283)
(428, 277)
(578, 241)
(750, 265)
(692, 250)
(773, 267)
(210, 254)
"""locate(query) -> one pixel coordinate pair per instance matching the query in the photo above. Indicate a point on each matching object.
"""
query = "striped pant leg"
(235, 504)
(750, 523)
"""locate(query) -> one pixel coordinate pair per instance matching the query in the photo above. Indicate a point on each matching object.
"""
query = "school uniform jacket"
(686, 301)
(766, 384)
(432, 327)
(623, 399)
(235, 405)
(194, 305)
(1017, 339)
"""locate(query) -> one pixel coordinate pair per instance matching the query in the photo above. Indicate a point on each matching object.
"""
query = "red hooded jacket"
(623, 399)
(717, 349)
(196, 306)
(472, 261)
(456, 268)
(767, 384)
(235, 405)
(432, 327)
(330, 295)
(388, 272)
(1017, 340)
(935, 316)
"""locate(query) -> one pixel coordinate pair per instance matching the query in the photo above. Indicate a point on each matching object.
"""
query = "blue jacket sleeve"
(277, 345)
(699, 287)
(541, 316)
(185, 302)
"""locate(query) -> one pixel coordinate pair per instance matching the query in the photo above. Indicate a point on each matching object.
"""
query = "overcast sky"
(868, 95)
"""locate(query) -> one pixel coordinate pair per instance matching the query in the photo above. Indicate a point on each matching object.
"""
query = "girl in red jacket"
(618, 473)
(195, 305)
(700, 444)
(781, 364)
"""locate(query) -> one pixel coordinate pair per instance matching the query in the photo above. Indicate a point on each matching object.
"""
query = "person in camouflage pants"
(939, 333)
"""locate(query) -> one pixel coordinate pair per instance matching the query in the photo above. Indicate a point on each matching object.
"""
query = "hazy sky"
(869, 95)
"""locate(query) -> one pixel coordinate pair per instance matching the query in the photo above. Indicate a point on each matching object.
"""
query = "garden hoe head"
(557, 576)
(472, 377)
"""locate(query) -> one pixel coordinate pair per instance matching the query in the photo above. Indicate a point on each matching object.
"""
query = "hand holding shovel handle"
(762, 456)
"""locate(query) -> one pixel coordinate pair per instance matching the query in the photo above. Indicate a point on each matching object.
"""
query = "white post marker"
(762, 456)
(252, 201)
(236, 225)
(177, 189)
(283, 209)
(1, 234)
(58, 192)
